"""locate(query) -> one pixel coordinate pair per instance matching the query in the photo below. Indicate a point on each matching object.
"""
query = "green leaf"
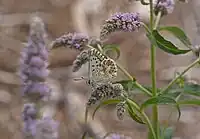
(189, 102)
(112, 47)
(166, 45)
(188, 89)
(192, 89)
(161, 100)
(173, 93)
(177, 32)
(167, 133)
(104, 103)
(134, 113)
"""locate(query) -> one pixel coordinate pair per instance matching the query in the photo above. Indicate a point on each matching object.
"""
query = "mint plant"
(102, 69)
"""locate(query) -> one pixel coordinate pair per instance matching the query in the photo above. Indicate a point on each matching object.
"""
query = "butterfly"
(101, 68)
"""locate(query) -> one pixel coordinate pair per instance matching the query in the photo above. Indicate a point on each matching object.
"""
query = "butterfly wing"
(95, 66)
(101, 68)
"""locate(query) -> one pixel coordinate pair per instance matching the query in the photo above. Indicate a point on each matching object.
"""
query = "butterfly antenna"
(81, 78)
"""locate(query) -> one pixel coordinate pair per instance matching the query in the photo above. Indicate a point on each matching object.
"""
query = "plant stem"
(155, 121)
(146, 119)
(157, 19)
(143, 89)
(145, 27)
(125, 72)
(179, 76)
(133, 79)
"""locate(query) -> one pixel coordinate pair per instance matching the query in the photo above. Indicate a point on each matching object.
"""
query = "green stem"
(157, 19)
(153, 73)
(143, 89)
(133, 79)
(125, 72)
(146, 119)
(146, 27)
(179, 76)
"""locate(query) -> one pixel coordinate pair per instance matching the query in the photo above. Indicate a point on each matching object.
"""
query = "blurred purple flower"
(37, 61)
(38, 90)
(33, 73)
(29, 127)
(117, 136)
(72, 40)
(164, 6)
(29, 116)
(29, 111)
(127, 22)
(33, 66)
(46, 128)
(37, 74)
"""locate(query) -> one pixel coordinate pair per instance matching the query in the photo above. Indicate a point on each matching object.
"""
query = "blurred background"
(69, 98)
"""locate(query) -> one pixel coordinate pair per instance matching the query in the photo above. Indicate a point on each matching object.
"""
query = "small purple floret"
(72, 40)
(164, 6)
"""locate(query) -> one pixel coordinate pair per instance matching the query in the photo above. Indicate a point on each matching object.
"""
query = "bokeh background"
(64, 16)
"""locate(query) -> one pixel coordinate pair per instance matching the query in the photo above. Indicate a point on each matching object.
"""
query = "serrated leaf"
(189, 102)
(133, 114)
(161, 100)
(104, 103)
(112, 47)
(178, 33)
(166, 45)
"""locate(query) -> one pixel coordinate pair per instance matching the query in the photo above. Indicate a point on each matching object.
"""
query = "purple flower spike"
(164, 6)
(29, 116)
(33, 66)
(72, 40)
(127, 22)
(33, 73)
(47, 128)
